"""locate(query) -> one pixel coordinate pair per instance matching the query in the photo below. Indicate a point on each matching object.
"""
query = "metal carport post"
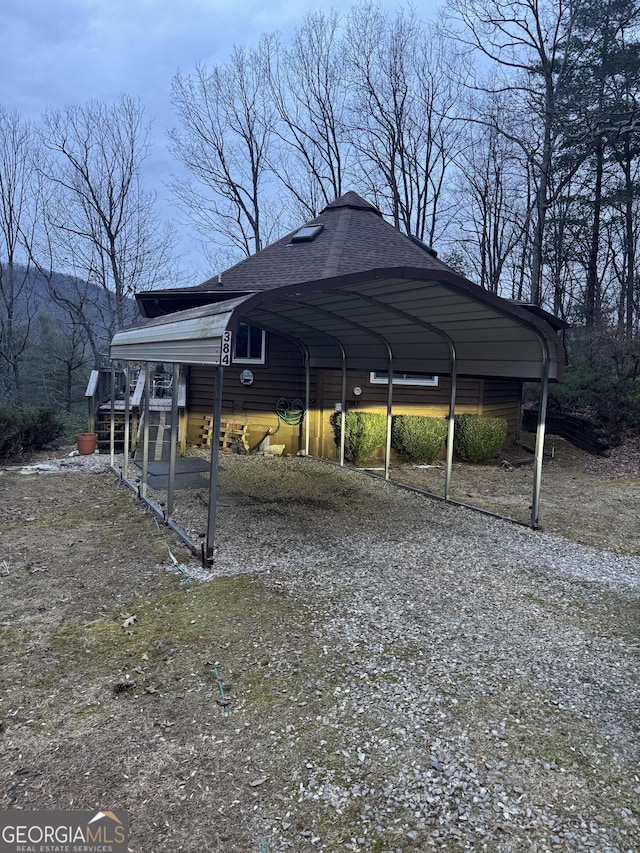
(453, 373)
(303, 346)
(213, 477)
(387, 345)
(540, 432)
(173, 439)
(112, 418)
(343, 403)
(307, 377)
(145, 429)
(307, 398)
(127, 421)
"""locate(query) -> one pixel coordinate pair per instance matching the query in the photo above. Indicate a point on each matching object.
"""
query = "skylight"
(307, 233)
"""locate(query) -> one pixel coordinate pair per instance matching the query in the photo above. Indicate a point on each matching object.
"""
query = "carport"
(392, 319)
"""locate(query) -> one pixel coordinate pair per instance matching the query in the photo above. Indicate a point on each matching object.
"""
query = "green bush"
(478, 439)
(25, 430)
(364, 433)
(70, 425)
(602, 380)
(418, 438)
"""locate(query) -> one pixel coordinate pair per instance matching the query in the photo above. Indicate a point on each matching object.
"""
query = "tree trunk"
(592, 291)
(629, 239)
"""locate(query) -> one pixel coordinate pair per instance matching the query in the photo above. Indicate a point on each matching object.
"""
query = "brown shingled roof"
(355, 238)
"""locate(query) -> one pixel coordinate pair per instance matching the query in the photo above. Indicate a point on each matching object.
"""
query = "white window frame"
(381, 377)
(260, 359)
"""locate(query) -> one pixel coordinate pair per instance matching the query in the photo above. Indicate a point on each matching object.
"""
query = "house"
(349, 237)
(317, 322)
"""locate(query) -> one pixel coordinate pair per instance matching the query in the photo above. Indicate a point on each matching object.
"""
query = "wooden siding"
(283, 377)
(502, 398)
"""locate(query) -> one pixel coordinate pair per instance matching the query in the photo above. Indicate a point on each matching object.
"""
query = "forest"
(505, 134)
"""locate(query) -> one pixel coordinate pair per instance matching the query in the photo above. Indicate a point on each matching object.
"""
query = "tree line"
(72, 200)
(505, 134)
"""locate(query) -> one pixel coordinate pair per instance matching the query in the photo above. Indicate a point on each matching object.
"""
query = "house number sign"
(225, 351)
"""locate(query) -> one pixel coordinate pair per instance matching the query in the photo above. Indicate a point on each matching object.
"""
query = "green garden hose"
(290, 412)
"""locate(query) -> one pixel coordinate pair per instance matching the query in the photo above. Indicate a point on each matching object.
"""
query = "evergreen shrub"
(478, 439)
(364, 433)
(25, 430)
(419, 438)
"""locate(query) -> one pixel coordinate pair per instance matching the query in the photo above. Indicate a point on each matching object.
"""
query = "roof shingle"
(355, 238)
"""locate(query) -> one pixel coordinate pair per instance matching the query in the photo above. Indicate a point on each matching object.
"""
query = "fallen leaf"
(151, 689)
(257, 782)
(145, 656)
(129, 620)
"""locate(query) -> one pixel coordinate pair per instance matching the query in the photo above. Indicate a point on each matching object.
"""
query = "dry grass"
(591, 500)
(79, 556)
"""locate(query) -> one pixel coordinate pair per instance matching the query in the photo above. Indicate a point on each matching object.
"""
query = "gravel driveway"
(484, 675)
(459, 683)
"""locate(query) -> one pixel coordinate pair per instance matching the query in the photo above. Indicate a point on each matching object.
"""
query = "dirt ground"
(113, 668)
(594, 500)
(116, 673)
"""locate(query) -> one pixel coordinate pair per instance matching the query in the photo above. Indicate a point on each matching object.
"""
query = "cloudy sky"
(59, 52)
(66, 51)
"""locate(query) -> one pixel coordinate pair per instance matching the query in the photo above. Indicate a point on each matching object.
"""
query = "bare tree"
(491, 209)
(527, 39)
(16, 222)
(403, 88)
(307, 88)
(627, 205)
(225, 140)
(626, 152)
(98, 220)
(56, 365)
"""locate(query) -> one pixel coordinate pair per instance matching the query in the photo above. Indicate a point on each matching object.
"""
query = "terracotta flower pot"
(87, 442)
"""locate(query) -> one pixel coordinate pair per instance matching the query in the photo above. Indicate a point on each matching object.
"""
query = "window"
(307, 233)
(249, 344)
(381, 377)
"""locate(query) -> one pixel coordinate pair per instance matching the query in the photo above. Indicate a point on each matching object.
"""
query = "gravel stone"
(469, 682)
(479, 679)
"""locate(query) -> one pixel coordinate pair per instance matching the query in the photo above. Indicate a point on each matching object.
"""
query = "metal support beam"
(453, 355)
(540, 432)
(387, 446)
(145, 429)
(343, 406)
(127, 421)
(173, 439)
(353, 325)
(112, 420)
(450, 428)
(307, 399)
(213, 479)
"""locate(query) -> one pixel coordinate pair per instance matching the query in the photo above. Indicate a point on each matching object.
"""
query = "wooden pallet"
(232, 434)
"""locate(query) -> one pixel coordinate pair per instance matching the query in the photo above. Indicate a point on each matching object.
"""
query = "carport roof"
(360, 289)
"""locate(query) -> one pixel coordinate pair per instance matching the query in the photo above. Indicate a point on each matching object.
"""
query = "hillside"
(34, 295)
